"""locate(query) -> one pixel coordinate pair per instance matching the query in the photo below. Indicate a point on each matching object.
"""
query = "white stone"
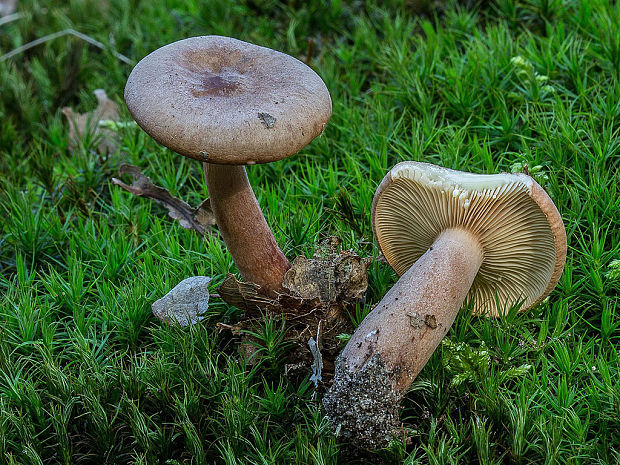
(185, 303)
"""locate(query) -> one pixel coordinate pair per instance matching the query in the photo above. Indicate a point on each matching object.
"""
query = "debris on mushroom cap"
(518, 226)
(226, 101)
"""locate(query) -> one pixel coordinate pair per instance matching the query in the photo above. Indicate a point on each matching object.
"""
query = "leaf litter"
(83, 124)
(200, 218)
(320, 293)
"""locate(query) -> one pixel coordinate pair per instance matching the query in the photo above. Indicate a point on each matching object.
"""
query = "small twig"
(309, 51)
(10, 18)
(62, 33)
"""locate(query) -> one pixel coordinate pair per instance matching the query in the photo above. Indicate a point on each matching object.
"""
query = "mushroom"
(497, 240)
(229, 103)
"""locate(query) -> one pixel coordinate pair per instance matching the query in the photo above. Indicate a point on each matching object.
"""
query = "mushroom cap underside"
(222, 100)
(517, 224)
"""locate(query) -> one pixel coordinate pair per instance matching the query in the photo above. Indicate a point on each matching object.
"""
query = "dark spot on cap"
(430, 321)
(216, 84)
(267, 119)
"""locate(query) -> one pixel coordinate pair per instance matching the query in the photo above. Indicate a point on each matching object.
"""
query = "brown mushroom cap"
(226, 101)
(513, 218)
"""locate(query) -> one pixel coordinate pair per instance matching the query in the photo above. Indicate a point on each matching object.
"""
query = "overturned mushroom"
(229, 103)
(494, 239)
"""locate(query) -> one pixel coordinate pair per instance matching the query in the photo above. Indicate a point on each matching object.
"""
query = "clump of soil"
(363, 406)
(320, 293)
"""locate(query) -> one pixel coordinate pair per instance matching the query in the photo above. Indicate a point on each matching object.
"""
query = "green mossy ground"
(88, 375)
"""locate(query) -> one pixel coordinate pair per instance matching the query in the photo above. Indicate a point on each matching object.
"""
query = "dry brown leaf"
(200, 219)
(204, 214)
(81, 124)
(7, 7)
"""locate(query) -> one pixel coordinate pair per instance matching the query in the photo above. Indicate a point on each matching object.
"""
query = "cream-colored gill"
(519, 249)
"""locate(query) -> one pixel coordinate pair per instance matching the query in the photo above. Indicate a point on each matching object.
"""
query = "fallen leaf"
(200, 219)
(204, 214)
(7, 7)
(81, 124)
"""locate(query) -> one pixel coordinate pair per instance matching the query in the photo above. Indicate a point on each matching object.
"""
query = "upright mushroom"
(495, 239)
(230, 103)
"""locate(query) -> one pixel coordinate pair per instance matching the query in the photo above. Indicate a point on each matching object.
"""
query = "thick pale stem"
(397, 338)
(243, 227)
(411, 320)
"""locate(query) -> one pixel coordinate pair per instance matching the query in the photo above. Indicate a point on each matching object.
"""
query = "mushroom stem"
(243, 227)
(397, 338)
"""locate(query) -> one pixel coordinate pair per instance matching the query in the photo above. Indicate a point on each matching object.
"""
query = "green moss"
(88, 375)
